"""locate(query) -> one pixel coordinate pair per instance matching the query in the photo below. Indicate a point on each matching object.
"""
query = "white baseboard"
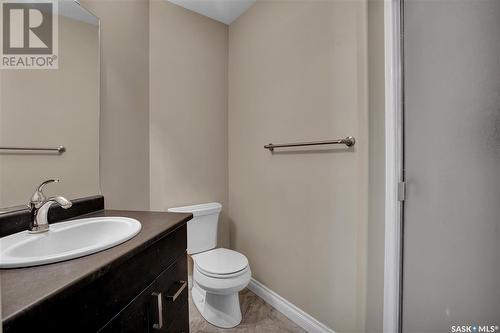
(299, 317)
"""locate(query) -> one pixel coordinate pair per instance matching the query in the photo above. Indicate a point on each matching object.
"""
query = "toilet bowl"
(219, 274)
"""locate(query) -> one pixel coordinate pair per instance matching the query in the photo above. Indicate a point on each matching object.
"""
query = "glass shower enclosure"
(451, 223)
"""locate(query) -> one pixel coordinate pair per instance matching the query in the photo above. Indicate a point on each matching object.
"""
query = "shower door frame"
(394, 165)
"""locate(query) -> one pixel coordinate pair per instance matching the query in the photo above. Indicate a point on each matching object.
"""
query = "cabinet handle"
(173, 296)
(159, 325)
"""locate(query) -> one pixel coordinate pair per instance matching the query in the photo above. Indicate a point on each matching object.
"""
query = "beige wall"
(124, 147)
(297, 71)
(376, 225)
(284, 71)
(186, 84)
(188, 114)
(53, 108)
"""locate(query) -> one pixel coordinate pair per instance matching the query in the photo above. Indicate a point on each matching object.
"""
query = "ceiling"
(225, 11)
(73, 10)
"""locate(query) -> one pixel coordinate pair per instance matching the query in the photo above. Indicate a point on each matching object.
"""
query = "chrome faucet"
(39, 207)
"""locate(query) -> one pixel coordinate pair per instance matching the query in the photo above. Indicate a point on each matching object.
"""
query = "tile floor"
(258, 317)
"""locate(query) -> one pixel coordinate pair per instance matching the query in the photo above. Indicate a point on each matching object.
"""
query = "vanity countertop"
(23, 288)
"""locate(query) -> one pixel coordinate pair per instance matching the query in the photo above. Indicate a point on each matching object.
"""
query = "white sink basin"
(66, 240)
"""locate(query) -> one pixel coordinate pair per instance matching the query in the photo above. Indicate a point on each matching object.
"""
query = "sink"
(66, 240)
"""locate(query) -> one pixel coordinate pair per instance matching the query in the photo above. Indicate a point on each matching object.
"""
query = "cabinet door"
(135, 317)
(172, 285)
(181, 323)
(161, 307)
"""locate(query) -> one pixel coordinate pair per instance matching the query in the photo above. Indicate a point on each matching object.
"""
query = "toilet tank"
(202, 228)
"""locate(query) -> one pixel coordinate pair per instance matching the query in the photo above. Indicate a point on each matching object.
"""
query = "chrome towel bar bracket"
(349, 142)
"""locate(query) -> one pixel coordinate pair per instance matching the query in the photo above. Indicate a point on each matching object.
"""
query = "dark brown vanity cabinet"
(144, 290)
(161, 307)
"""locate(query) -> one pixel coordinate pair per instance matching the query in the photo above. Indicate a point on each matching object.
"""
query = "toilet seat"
(221, 271)
(222, 276)
(222, 285)
(221, 263)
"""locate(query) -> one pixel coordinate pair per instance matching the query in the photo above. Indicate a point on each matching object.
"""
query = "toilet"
(218, 273)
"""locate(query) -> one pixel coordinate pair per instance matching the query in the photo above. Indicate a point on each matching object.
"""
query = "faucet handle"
(38, 198)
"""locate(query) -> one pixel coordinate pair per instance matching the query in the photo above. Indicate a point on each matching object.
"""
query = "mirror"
(48, 108)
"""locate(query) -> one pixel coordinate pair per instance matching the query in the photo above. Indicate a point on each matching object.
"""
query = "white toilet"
(218, 273)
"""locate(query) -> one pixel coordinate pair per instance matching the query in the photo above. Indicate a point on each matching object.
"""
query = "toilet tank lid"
(198, 210)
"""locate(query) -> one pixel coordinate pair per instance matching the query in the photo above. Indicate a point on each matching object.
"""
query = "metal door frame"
(395, 186)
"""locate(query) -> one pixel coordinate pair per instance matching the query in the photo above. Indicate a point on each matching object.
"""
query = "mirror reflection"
(50, 108)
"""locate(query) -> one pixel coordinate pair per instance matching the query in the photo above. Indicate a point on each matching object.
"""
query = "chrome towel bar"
(60, 149)
(349, 142)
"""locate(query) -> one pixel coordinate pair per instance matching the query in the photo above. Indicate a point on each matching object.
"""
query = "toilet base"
(219, 310)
